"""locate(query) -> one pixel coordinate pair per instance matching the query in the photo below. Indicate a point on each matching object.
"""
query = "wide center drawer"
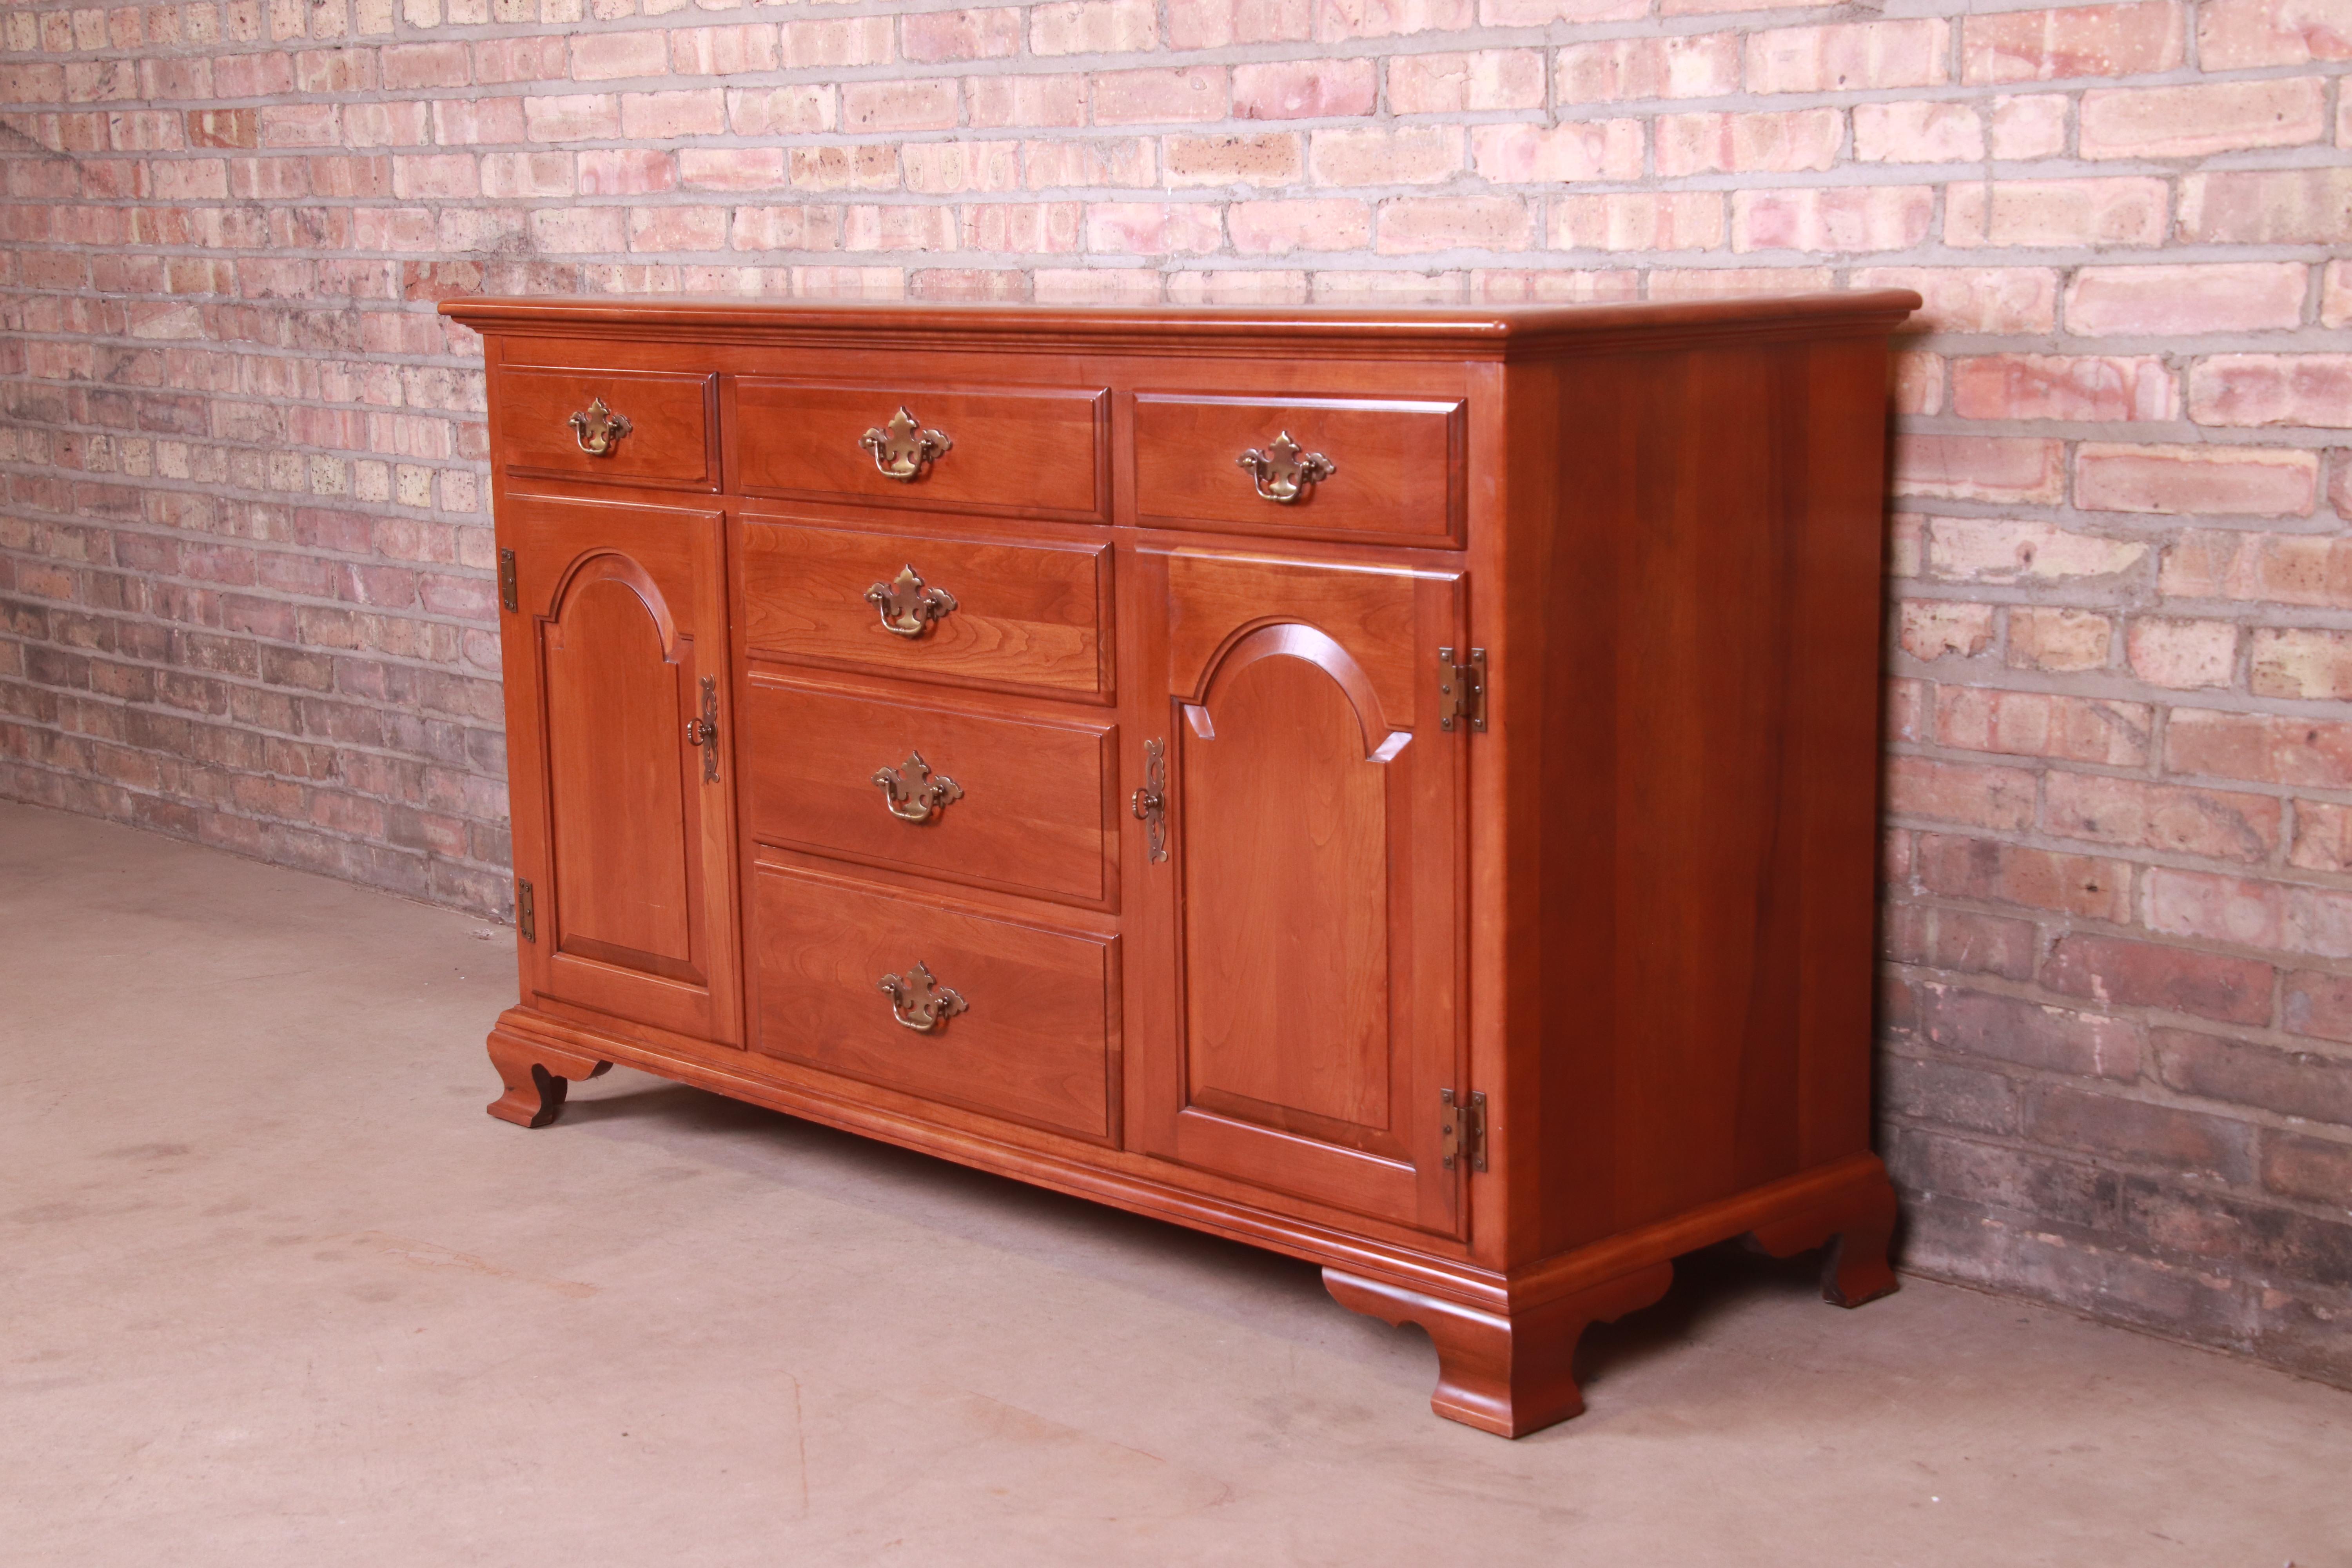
(1034, 450)
(1008, 1019)
(966, 612)
(1003, 802)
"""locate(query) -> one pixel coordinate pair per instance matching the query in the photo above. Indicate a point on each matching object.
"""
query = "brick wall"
(243, 555)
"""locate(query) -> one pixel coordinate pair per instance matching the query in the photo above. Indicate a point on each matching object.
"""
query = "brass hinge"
(526, 916)
(1464, 1128)
(507, 579)
(1461, 689)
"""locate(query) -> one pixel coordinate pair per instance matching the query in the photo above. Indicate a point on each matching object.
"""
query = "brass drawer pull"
(597, 428)
(1283, 472)
(902, 448)
(914, 793)
(703, 729)
(919, 1002)
(907, 606)
(1150, 803)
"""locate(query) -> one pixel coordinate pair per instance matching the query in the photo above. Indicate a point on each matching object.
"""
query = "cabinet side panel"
(1707, 736)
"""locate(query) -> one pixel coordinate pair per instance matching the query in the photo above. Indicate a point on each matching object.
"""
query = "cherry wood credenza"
(1396, 787)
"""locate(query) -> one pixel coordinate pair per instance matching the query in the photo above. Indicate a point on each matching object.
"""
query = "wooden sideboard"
(1396, 787)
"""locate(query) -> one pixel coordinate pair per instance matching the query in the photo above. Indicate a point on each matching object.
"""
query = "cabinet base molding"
(536, 1075)
(1506, 1343)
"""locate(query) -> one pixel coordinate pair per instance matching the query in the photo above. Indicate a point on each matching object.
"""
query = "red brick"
(2099, 388)
(2237, 34)
(1917, 132)
(2138, 1132)
(1277, 229)
(1146, 97)
(2316, 1170)
(2268, 206)
(2215, 824)
(1795, 140)
(1092, 27)
(990, 33)
(2039, 724)
(1454, 84)
(2226, 296)
(1684, 66)
(1337, 21)
(1304, 89)
(1851, 58)
(2117, 972)
(2272, 389)
(2300, 662)
(1931, 628)
(2078, 41)
(1992, 550)
(1974, 299)
(1950, 791)
(1213, 23)
(2012, 1029)
(1981, 468)
(2291, 1083)
(1580, 149)
(1410, 225)
(2198, 120)
(2244, 481)
(2083, 886)
(2072, 213)
(2311, 753)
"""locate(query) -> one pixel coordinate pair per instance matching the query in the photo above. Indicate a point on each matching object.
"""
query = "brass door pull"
(914, 793)
(596, 427)
(919, 1002)
(703, 729)
(1150, 803)
(1284, 472)
(902, 448)
(906, 608)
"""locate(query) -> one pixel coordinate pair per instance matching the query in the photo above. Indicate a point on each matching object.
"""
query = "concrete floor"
(274, 1290)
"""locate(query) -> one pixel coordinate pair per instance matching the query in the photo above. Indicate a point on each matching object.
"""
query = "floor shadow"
(1710, 1285)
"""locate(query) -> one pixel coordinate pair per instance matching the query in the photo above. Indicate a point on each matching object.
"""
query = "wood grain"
(672, 439)
(1035, 1045)
(1019, 451)
(1027, 615)
(1036, 815)
(1399, 466)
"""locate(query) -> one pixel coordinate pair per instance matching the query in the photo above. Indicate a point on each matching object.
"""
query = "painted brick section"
(245, 565)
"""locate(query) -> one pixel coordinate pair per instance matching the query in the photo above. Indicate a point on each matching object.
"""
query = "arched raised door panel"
(1313, 884)
(622, 823)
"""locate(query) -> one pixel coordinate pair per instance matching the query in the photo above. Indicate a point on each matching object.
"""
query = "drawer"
(1025, 617)
(1030, 451)
(669, 442)
(1032, 1039)
(1009, 803)
(1397, 466)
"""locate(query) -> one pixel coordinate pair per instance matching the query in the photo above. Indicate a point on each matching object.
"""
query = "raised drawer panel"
(1032, 1041)
(1026, 451)
(1025, 617)
(1000, 802)
(670, 442)
(1397, 466)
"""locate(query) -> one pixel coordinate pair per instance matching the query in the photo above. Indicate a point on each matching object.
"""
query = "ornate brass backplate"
(919, 1002)
(1150, 803)
(703, 729)
(902, 448)
(907, 606)
(597, 428)
(1284, 472)
(915, 794)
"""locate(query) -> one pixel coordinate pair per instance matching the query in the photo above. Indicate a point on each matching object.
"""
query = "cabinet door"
(1303, 1019)
(623, 829)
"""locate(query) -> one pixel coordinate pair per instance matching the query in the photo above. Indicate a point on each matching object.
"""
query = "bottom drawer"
(1026, 1033)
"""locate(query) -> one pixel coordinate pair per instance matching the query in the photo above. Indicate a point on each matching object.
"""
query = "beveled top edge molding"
(1482, 330)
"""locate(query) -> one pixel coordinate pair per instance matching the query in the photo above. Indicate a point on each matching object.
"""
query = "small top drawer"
(628, 427)
(1386, 470)
(964, 612)
(1033, 451)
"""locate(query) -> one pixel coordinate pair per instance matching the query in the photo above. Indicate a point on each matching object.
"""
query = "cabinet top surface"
(1481, 331)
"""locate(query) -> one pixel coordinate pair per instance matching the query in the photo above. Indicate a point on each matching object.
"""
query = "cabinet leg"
(1510, 1376)
(536, 1077)
(1855, 1229)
